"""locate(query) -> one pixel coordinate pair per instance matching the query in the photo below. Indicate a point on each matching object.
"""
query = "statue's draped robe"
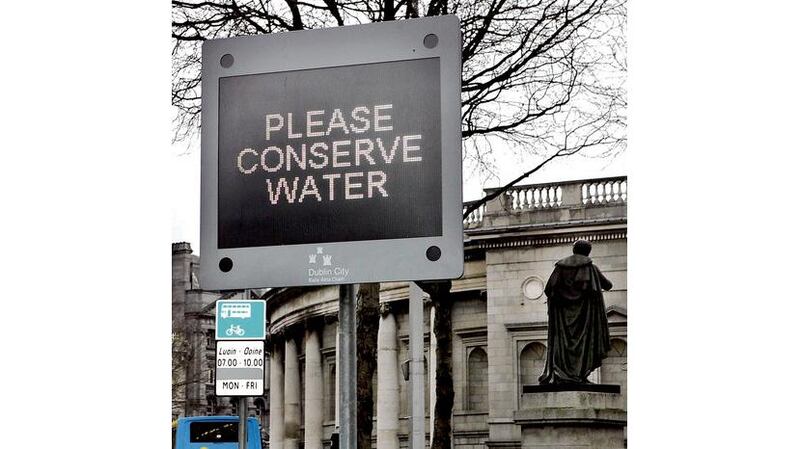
(577, 328)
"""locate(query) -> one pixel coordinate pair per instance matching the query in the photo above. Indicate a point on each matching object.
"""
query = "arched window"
(531, 363)
(614, 367)
(477, 380)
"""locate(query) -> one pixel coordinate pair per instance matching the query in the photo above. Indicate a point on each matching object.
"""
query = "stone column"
(388, 383)
(313, 393)
(291, 398)
(276, 399)
(432, 373)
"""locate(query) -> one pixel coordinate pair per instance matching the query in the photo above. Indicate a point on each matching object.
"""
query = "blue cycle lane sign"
(239, 370)
(241, 319)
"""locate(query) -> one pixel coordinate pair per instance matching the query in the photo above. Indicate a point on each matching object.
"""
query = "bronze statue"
(577, 327)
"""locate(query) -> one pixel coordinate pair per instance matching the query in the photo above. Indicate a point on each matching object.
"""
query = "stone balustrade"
(597, 198)
(475, 218)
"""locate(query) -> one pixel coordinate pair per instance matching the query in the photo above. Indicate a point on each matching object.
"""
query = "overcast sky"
(186, 186)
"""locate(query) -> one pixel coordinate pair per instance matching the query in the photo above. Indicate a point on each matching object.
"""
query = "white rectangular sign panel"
(239, 370)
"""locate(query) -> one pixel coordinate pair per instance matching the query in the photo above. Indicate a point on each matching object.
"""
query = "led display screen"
(332, 154)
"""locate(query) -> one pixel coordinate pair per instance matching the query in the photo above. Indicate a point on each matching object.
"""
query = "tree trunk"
(443, 330)
(367, 319)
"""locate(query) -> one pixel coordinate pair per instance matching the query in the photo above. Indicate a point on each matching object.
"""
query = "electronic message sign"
(332, 156)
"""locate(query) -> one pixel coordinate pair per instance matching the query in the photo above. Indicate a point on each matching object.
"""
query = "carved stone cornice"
(544, 240)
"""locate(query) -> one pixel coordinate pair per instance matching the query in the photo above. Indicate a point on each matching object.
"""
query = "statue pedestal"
(563, 418)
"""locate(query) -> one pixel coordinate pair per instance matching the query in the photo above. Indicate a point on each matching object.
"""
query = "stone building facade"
(499, 322)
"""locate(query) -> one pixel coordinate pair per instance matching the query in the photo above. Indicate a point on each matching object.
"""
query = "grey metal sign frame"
(418, 258)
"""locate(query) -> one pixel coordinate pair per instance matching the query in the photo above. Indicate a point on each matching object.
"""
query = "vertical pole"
(243, 403)
(432, 374)
(243, 422)
(347, 366)
(416, 333)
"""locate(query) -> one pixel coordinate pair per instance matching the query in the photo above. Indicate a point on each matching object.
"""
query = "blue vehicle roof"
(217, 418)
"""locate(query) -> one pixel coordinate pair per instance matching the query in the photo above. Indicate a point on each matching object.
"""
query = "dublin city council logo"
(326, 258)
(322, 269)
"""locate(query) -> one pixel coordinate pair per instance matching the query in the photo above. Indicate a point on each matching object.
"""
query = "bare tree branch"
(535, 72)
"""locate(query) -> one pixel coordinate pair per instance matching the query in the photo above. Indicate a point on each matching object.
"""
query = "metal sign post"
(416, 332)
(347, 365)
(243, 423)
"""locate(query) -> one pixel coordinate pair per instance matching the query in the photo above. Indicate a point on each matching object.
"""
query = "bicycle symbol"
(234, 329)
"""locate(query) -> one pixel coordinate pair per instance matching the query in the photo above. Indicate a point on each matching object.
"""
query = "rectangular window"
(330, 389)
(214, 432)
